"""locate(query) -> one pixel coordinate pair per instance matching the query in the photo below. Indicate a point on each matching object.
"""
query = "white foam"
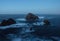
(41, 17)
(20, 19)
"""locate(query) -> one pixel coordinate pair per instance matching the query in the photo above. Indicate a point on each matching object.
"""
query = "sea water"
(54, 20)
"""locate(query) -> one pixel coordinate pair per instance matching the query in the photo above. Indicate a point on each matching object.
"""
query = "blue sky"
(26, 6)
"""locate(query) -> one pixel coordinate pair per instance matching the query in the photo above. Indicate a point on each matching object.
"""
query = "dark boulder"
(31, 17)
(10, 21)
(7, 22)
(46, 22)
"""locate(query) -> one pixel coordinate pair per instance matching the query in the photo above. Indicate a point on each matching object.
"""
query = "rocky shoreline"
(28, 32)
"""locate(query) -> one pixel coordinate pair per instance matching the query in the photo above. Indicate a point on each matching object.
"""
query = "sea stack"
(31, 17)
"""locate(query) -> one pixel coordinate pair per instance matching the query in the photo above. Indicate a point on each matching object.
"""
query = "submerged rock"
(31, 17)
(7, 22)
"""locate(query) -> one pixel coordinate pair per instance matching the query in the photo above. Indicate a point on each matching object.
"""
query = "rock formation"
(7, 22)
(31, 17)
(46, 22)
(10, 21)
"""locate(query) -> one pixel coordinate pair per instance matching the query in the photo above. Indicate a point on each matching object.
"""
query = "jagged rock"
(7, 22)
(46, 22)
(31, 17)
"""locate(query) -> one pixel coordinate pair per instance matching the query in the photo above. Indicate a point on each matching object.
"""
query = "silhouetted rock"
(46, 22)
(10, 21)
(31, 17)
(3, 23)
(7, 22)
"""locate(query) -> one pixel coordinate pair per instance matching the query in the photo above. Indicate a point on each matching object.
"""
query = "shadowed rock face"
(7, 22)
(31, 17)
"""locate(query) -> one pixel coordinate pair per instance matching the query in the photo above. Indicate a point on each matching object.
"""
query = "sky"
(27, 6)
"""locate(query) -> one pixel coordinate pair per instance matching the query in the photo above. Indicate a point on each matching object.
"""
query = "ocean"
(27, 36)
(54, 19)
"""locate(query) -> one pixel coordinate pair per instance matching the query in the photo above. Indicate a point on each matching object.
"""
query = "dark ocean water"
(54, 20)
